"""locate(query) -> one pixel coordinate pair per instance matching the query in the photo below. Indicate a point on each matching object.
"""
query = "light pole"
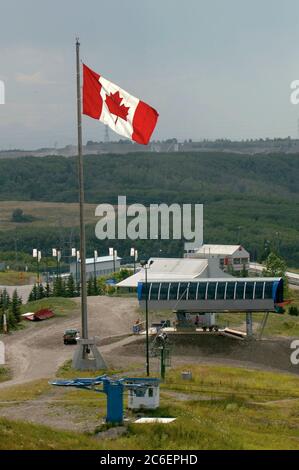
(76, 255)
(57, 254)
(134, 254)
(38, 255)
(113, 253)
(95, 257)
(146, 266)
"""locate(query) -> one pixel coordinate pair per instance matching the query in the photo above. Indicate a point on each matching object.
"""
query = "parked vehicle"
(71, 336)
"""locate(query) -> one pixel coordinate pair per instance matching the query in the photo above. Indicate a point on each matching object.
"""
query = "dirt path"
(37, 351)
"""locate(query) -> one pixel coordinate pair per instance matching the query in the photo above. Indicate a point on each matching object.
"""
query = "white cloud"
(35, 78)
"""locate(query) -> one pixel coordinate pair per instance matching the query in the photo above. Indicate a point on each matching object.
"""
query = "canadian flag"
(110, 104)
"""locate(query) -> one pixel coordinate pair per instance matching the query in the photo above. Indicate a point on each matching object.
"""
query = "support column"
(249, 327)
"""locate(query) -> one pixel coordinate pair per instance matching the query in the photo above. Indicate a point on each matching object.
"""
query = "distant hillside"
(152, 177)
(254, 199)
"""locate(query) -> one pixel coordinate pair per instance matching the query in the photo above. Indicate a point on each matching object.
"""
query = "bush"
(294, 311)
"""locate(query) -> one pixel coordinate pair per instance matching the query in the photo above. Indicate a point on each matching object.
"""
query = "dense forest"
(252, 199)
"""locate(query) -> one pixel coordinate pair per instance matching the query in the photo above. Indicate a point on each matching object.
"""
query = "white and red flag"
(110, 104)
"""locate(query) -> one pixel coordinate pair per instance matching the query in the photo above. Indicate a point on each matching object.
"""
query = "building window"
(211, 291)
(221, 290)
(183, 291)
(192, 291)
(259, 288)
(230, 290)
(154, 291)
(237, 261)
(164, 291)
(249, 290)
(268, 290)
(173, 292)
(240, 290)
(201, 291)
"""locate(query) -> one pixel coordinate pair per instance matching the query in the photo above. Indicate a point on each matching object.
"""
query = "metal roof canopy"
(175, 269)
(220, 249)
(214, 295)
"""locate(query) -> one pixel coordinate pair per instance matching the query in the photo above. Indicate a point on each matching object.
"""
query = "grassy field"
(221, 408)
(5, 374)
(14, 278)
(40, 437)
(46, 214)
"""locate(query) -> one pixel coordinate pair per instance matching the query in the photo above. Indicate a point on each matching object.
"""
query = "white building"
(230, 257)
(103, 266)
(175, 269)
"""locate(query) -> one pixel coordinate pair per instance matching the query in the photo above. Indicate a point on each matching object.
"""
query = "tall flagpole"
(87, 345)
(81, 202)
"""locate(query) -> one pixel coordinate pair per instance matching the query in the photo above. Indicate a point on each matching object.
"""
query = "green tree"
(78, 289)
(59, 289)
(4, 307)
(95, 286)
(15, 307)
(276, 267)
(102, 288)
(48, 291)
(70, 286)
(90, 286)
(33, 294)
(41, 291)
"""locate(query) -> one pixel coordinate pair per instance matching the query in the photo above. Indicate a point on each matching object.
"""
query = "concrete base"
(91, 361)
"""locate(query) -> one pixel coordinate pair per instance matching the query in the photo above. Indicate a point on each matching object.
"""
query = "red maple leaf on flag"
(113, 102)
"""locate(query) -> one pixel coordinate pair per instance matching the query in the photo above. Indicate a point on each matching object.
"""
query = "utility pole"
(81, 202)
(81, 360)
(95, 258)
(146, 266)
(146, 323)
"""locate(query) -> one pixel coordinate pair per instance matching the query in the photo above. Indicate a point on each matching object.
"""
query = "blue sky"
(212, 69)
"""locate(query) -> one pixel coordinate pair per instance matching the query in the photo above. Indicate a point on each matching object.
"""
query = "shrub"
(294, 311)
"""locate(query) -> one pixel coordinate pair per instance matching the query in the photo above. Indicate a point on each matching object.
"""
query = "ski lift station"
(193, 287)
(214, 295)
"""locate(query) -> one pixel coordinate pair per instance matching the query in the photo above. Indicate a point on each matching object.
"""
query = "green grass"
(5, 373)
(20, 436)
(66, 372)
(15, 278)
(223, 408)
(61, 306)
(25, 392)
(45, 214)
(242, 383)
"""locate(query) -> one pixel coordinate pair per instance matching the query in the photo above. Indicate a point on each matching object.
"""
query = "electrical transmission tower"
(107, 137)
